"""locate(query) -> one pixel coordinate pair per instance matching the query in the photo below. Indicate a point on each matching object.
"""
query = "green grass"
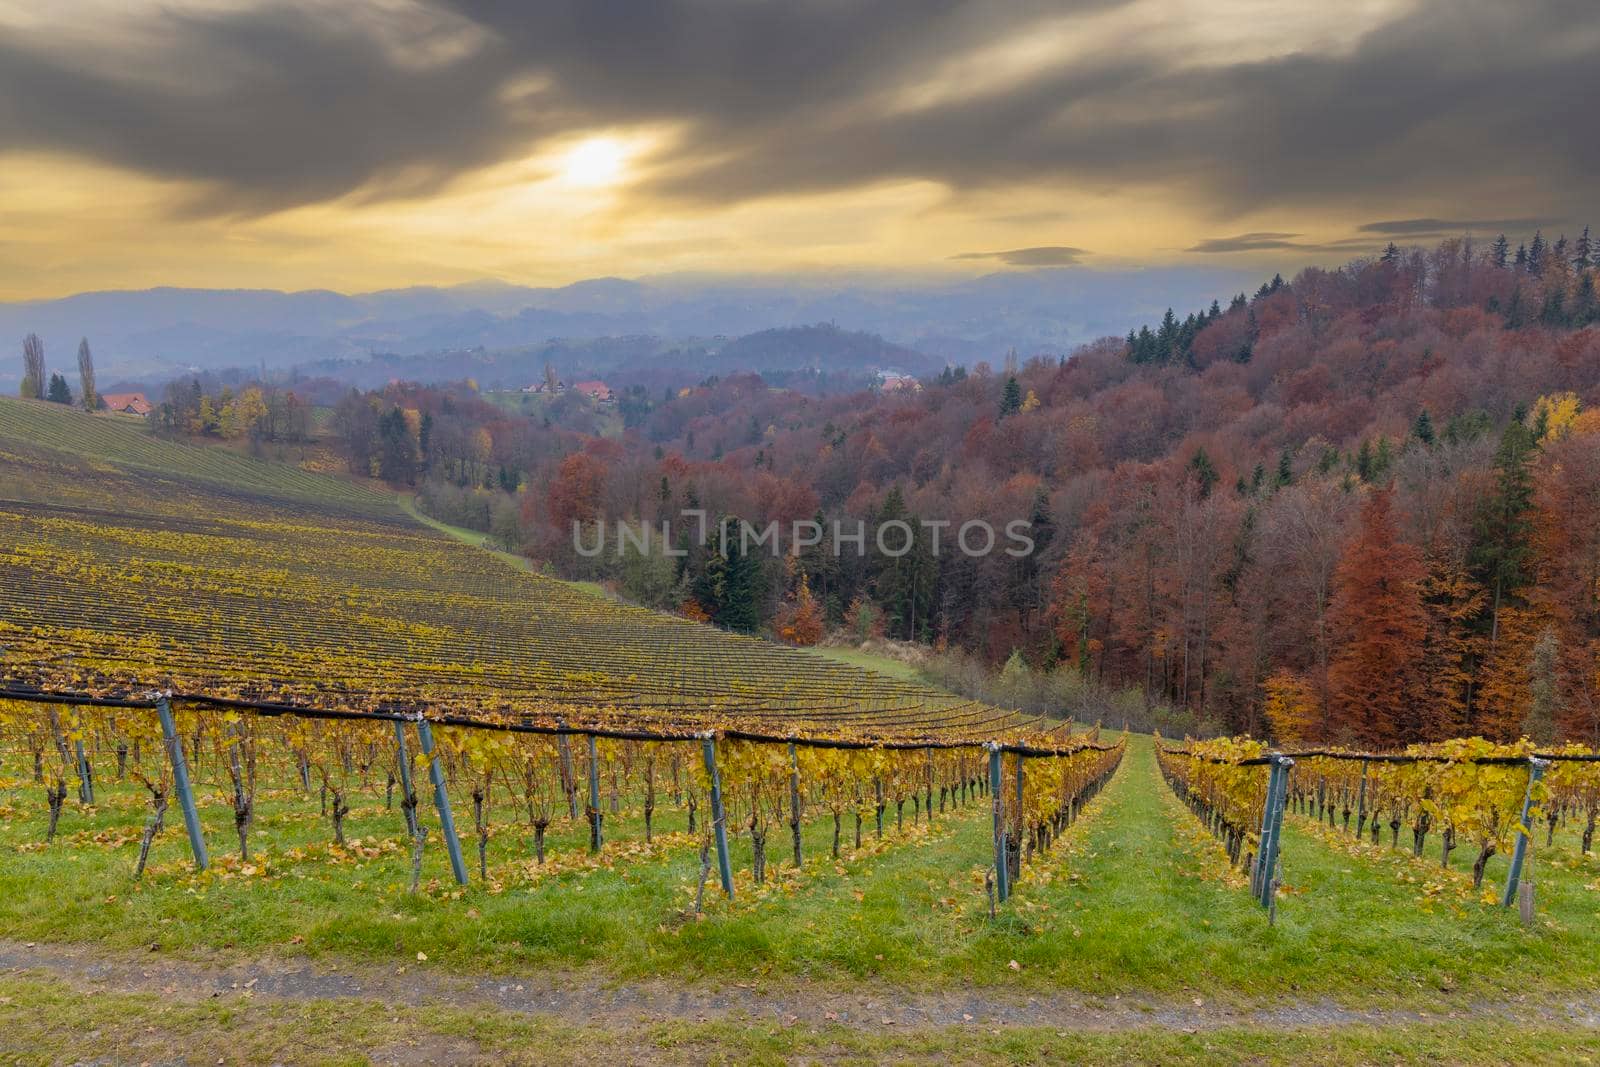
(408, 504)
(872, 661)
(1136, 901)
(44, 1021)
(126, 443)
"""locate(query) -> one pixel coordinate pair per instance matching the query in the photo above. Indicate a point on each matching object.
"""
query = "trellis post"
(1002, 880)
(1519, 851)
(441, 800)
(180, 782)
(596, 834)
(405, 777)
(1022, 815)
(1271, 829)
(85, 775)
(719, 824)
(569, 784)
(1361, 801)
(794, 802)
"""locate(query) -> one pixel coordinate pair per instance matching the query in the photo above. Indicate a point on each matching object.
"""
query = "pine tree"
(1285, 474)
(1503, 530)
(1536, 253)
(1391, 254)
(1422, 429)
(1011, 397)
(1204, 471)
(1582, 251)
(1380, 626)
(1500, 251)
(58, 392)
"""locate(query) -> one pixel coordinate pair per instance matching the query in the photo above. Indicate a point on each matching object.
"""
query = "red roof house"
(126, 403)
(597, 391)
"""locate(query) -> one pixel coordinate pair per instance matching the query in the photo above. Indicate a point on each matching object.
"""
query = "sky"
(365, 144)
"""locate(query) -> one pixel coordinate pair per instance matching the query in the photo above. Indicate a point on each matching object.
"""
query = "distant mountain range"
(155, 334)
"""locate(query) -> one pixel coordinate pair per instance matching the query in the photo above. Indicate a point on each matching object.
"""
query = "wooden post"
(1361, 801)
(719, 823)
(85, 776)
(180, 781)
(405, 778)
(596, 834)
(794, 802)
(1002, 881)
(568, 784)
(441, 800)
(1519, 852)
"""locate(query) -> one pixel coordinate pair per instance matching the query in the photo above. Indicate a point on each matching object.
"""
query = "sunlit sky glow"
(376, 143)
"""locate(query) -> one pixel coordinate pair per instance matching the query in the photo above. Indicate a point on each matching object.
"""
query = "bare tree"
(89, 394)
(33, 382)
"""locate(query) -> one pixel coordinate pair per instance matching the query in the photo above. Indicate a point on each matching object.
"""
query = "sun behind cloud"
(595, 161)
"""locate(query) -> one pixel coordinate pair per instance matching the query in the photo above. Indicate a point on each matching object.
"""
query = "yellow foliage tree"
(1290, 706)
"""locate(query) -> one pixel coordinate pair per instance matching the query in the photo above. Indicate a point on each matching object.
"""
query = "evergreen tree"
(397, 452)
(1503, 530)
(1582, 251)
(1011, 397)
(1585, 308)
(1521, 260)
(1422, 429)
(1204, 471)
(1285, 469)
(729, 587)
(1364, 461)
(1536, 253)
(1500, 251)
(58, 392)
(1391, 254)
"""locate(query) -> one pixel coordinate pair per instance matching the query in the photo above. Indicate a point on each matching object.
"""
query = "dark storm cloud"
(281, 105)
(1043, 256)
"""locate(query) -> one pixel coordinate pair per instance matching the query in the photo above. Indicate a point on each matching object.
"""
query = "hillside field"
(129, 563)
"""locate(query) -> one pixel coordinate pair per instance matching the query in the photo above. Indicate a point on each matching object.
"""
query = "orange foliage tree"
(1380, 627)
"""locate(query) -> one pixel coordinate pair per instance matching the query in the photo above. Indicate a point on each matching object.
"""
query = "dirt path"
(590, 999)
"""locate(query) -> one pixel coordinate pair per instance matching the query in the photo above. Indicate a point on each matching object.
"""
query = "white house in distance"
(543, 388)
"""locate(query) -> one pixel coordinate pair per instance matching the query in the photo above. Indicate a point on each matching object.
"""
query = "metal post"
(1272, 827)
(441, 800)
(180, 780)
(596, 834)
(1002, 871)
(85, 775)
(405, 778)
(719, 823)
(794, 802)
(1266, 832)
(1519, 852)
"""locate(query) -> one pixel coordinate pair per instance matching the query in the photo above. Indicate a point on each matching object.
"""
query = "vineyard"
(258, 709)
(198, 638)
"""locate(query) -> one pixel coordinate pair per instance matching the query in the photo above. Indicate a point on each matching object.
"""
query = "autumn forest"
(1360, 505)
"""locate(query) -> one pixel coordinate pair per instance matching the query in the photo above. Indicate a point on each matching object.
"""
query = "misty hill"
(157, 333)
